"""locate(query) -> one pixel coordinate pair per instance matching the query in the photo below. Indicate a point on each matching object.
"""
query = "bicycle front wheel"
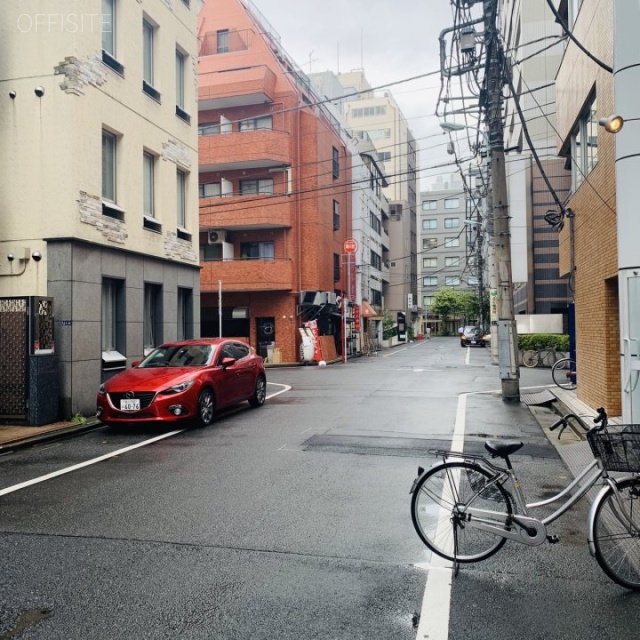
(530, 358)
(436, 517)
(563, 373)
(616, 533)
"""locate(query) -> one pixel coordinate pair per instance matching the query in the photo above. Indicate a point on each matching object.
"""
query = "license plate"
(130, 405)
(474, 342)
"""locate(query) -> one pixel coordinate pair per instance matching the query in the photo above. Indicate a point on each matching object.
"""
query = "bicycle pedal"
(553, 539)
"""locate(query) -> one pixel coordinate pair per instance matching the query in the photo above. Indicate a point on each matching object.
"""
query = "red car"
(184, 381)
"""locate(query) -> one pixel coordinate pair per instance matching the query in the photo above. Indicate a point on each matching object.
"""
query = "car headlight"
(177, 388)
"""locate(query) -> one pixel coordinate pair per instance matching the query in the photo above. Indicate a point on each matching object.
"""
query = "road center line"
(107, 456)
(436, 601)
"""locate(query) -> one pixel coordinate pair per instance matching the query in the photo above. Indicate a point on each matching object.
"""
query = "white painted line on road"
(436, 601)
(87, 463)
(467, 356)
(107, 456)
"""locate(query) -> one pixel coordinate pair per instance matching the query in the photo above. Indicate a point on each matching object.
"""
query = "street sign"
(350, 245)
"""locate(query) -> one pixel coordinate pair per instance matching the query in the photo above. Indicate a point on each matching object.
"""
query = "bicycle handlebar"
(602, 417)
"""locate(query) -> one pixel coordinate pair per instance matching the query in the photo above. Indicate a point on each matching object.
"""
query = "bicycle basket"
(618, 447)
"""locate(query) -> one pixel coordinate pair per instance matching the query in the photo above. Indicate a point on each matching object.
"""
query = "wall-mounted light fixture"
(612, 123)
(12, 94)
(39, 91)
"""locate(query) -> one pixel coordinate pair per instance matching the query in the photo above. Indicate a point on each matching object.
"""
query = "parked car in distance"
(184, 381)
(473, 336)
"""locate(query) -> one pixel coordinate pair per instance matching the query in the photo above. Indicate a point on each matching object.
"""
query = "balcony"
(248, 275)
(223, 89)
(238, 213)
(244, 150)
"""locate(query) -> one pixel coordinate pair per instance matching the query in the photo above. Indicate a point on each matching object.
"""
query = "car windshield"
(193, 355)
(472, 330)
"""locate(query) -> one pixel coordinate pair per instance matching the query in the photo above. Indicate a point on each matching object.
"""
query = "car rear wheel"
(260, 392)
(206, 407)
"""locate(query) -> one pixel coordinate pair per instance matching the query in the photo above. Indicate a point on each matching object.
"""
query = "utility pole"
(506, 330)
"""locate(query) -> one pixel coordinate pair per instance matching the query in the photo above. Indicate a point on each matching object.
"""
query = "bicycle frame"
(520, 526)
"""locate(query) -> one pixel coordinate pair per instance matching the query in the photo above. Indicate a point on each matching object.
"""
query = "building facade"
(275, 189)
(588, 241)
(99, 181)
(377, 116)
(529, 28)
(449, 255)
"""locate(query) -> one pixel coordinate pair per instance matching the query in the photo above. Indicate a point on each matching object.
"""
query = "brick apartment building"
(588, 242)
(275, 188)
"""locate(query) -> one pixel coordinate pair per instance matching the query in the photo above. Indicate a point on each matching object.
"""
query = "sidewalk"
(14, 437)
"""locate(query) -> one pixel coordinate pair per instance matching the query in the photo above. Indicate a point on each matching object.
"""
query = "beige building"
(99, 180)
(378, 116)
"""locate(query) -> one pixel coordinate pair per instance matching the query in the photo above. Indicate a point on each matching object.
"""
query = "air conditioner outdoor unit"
(217, 237)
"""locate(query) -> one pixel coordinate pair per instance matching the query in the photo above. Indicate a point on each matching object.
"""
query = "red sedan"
(182, 381)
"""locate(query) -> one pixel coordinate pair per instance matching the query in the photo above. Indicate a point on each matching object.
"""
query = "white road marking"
(87, 463)
(436, 601)
(107, 456)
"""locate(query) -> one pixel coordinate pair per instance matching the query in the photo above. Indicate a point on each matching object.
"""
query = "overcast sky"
(391, 39)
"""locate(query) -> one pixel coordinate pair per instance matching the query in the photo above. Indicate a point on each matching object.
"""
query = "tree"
(448, 304)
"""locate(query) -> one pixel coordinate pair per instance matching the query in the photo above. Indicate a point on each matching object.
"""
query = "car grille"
(145, 397)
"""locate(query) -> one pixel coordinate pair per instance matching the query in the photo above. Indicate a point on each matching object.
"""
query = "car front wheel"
(206, 405)
(260, 392)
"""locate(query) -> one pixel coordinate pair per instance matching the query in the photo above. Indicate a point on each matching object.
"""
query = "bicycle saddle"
(504, 448)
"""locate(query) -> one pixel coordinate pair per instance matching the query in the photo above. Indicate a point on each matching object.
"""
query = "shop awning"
(368, 311)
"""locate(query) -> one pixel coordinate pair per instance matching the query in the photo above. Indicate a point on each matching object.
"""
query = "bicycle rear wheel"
(530, 358)
(435, 514)
(615, 537)
(563, 373)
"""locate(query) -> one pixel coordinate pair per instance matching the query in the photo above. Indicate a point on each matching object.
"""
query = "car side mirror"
(136, 363)
(227, 362)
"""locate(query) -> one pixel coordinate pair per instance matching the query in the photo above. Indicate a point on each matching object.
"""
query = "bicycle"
(563, 373)
(546, 356)
(463, 512)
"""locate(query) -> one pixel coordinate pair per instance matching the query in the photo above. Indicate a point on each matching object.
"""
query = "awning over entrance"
(368, 311)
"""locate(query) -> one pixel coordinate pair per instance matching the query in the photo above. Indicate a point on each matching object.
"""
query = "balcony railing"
(260, 211)
(217, 42)
(247, 274)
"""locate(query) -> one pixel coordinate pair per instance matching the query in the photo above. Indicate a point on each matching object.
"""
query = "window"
(376, 260)
(429, 224)
(429, 263)
(452, 242)
(181, 67)
(452, 261)
(336, 215)
(210, 190)
(375, 223)
(148, 35)
(222, 40)
(336, 162)
(430, 281)
(181, 204)
(108, 166)
(451, 203)
(584, 144)
(208, 129)
(257, 250)
(336, 267)
(263, 122)
(384, 156)
(429, 243)
(109, 27)
(452, 281)
(112, 324)
(427, 301)
(379, 134)
(253, 187)
(451, 223)
(152, 321)
(148, 166)
(429, 205)
(364, 112)
(185, 314)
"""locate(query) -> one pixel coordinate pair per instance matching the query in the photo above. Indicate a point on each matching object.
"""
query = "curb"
(49, 436)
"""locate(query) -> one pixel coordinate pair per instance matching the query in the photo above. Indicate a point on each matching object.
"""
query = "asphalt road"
(290, 521)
